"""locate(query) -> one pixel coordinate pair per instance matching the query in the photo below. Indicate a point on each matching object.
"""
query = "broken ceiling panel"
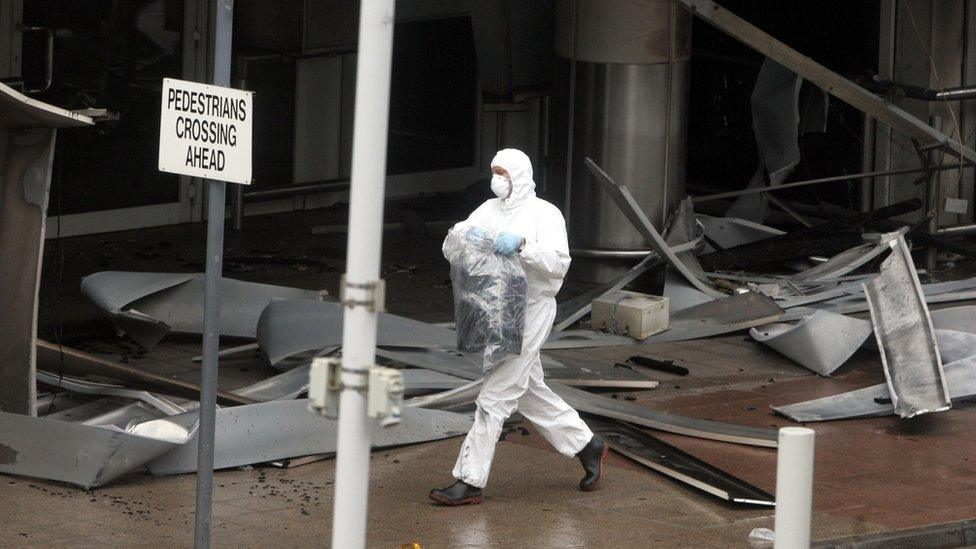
(853, 302)
(58, 358)
(149, 305)
(289, 327)
(821, 342)
(21, 112)
(26, 161)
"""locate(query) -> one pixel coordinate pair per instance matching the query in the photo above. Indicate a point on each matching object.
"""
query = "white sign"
(205, 131)
(956, 205)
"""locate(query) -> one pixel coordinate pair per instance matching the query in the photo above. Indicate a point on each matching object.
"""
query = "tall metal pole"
(867, 163)
(365, 240)
(571, 120)
(216, 196)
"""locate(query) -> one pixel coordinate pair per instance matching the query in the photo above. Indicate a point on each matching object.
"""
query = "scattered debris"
(679, 465)
(906, 339)
(630, 313)
(281, 429)
(821, 342)
(147, 306)
(288, 327)
(628, 205)
(876, 400)
(59, 359)
(661, 365)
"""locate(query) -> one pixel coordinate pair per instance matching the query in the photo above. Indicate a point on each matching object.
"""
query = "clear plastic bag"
(489, 297)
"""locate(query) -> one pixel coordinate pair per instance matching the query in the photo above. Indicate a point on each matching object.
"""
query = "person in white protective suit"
(535, 231)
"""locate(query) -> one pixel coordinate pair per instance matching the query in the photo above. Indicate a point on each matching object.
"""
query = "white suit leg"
(503, 386)
(518, 383)
(556, 421)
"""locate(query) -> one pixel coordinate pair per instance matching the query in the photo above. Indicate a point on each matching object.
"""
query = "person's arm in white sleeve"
(548, 252)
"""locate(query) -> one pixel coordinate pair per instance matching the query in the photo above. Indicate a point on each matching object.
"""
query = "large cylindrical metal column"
(629, 115)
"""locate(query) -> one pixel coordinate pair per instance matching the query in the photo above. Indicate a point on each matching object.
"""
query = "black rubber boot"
(459, 493)
(592, 457)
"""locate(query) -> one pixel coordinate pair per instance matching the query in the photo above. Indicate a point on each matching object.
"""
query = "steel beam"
(831, 82)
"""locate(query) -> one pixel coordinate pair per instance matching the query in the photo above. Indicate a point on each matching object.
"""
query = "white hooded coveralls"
(517, 382)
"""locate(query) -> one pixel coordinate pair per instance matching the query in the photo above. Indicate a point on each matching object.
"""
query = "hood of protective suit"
(519, 169)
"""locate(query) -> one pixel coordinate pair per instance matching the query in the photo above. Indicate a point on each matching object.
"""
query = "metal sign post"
(205, 131)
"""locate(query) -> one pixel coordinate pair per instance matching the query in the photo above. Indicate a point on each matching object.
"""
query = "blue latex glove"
(476, 232)
(507, 243)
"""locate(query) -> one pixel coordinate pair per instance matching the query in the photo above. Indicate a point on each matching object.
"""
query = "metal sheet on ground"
(665, 421)
(679, 465)
(680, 294)
(282, 429)
(285, 385)
(906, 340)
(148, 305)
(294, 382)
(592, 373)
(729, 311)
(71, 452)
(854, 302)
(289, 327)
(821, 342)
(849, 260)
(447, 362)
(875, 401)
(567, 371)
(581, 339)
(446, 400)
(960, 319)
(607, 407)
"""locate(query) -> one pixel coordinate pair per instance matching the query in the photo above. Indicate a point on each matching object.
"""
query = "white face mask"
(501, 186)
